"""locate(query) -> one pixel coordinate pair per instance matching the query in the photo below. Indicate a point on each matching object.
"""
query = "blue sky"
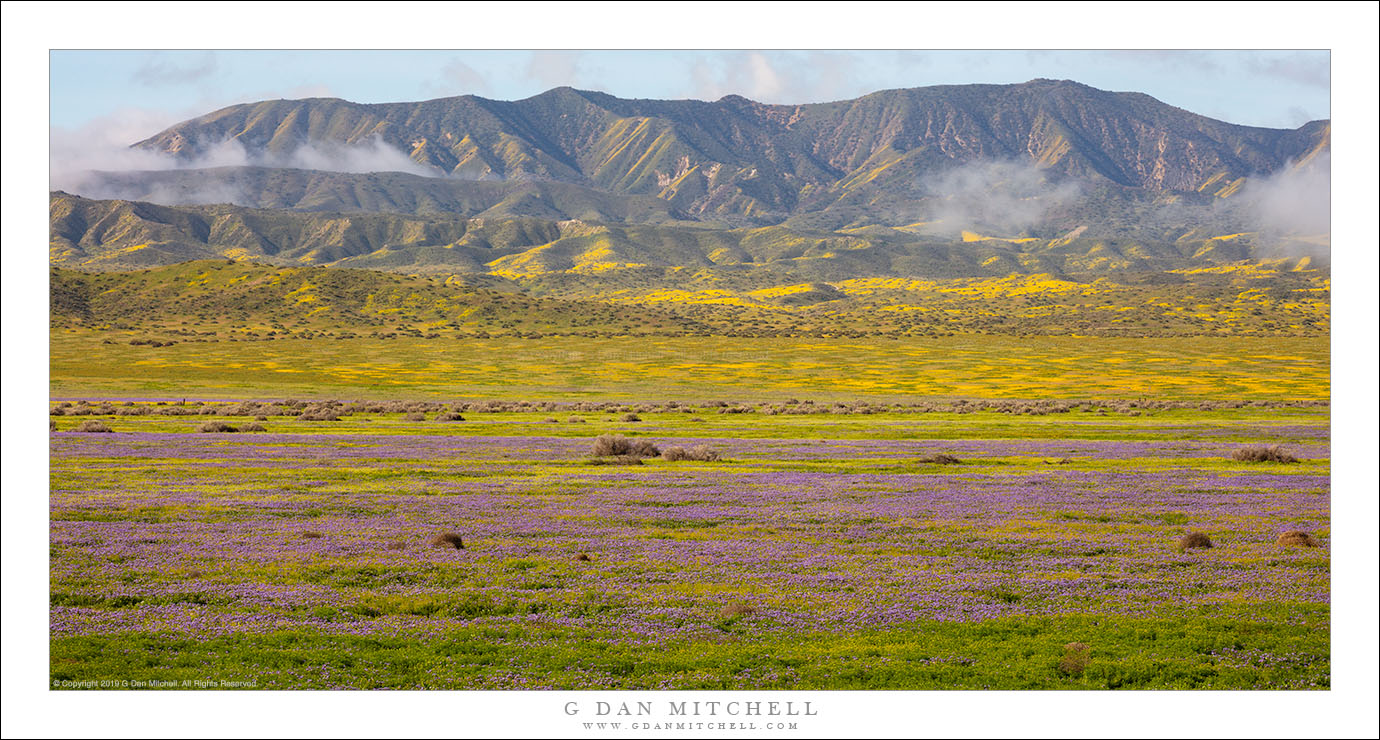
(145, 91)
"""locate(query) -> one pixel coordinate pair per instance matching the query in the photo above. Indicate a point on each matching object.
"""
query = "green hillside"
(115, 235)
(218, 299)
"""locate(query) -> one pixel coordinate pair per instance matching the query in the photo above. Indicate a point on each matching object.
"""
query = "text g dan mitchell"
(736, 708)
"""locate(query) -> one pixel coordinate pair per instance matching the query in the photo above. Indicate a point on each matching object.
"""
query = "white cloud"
(995, 198)
(371, 155)
(555, 68)
(1311, 70)
(777, 77)
(161, 70)
(1296, 201)
(103, 145)
(459, 78)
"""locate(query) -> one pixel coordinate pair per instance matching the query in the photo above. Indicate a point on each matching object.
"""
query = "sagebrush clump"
(448, 539)
(611, 445)
(216, 427)
(941, 459)
(1297, 538)
(1195, 541)
(93, 426)
(1076, 658)
(737, 610)
(699, 453)
(1274, 454)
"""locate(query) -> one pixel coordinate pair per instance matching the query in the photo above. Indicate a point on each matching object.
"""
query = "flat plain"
(834, 545)
(653, 368)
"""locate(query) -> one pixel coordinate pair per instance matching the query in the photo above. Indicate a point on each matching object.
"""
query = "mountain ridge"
(735, 157)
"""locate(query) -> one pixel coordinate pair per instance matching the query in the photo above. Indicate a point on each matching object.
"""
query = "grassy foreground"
(1284, 648)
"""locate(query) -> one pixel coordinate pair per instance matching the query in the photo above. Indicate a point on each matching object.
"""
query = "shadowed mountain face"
(975, 180)
(737, 161)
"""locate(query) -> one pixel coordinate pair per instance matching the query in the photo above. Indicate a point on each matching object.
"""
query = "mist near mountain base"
(1296, 201)
(91, 166)
(994, 197)
(371, 155)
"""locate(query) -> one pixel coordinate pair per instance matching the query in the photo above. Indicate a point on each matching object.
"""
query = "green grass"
(1281, 646)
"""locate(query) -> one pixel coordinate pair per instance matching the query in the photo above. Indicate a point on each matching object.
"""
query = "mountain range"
(1045, 176)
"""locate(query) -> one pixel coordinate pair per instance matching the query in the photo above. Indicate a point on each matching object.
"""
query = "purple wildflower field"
(226, 543)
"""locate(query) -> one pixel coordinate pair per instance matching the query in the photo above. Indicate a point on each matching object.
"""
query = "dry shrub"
(216, 427)
(941, 459)
(699, 453)
(1274, 454)
(1297, 538)
(261, 417)
(52, 425)
(318, 416)
(575, 420)
(610, 444)
(253, 427)
(396, 546)
(606, 445)
(415, 416)
(583, 558)
(448, 539)
(1076, 658)
(551, 420)
(92, 426)
(450, 416)
(736, 611)
(311, 534)
(1195, 541)
(631, 417)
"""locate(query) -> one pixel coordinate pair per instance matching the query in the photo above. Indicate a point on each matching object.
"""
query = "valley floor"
(843, 550)
(105, 364)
